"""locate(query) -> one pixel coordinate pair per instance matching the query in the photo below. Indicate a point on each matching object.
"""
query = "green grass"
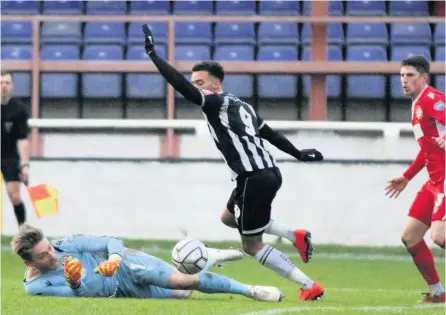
(359, 285)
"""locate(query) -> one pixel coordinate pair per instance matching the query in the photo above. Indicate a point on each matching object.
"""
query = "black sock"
(20, 213)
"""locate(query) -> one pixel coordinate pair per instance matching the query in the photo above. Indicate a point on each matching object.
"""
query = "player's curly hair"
(214, 68)
(23, 243)
(419, 62)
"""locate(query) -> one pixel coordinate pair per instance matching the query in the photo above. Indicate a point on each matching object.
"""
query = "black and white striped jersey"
(235, 126)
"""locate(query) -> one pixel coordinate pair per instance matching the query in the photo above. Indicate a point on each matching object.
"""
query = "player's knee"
(252, 248)
(438, 238)
(228, 219)
(181, 281)
(15, 197)
(409, 239)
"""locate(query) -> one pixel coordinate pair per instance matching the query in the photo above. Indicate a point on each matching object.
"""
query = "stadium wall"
(339, 203)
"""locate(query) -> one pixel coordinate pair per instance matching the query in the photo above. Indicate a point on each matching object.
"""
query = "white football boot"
(219, 256)
(266, 294)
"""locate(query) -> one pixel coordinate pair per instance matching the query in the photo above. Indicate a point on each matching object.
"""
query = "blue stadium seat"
(235, 7)
(234, 53)
(408, 8)
(335, 34)
(366, 86)
(16, 52)
(58, 85)
(333, 85)
(277, 53)
(62, 7)
(440, 83)
(410, 33)
(439, 34)
(149, 7)
(335, 7)
(367, 33)
(192, 52)
(139, 53)
(279, 7)
(398, 54)
(278, 33)
(102, 85)
(22, 84)
(105, 33)
(16, 32)
(193, 8)
(20, 7)
(193, 33)
(366, 8)
(241, 85)
(106, 7)
(61, 33)
(159, 31)
(234, 33)
(439, 54)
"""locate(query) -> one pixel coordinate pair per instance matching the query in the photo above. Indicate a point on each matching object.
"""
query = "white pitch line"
(362, 309)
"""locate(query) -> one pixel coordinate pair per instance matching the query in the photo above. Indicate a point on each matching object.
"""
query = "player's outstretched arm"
(175, 78)
(283, 144)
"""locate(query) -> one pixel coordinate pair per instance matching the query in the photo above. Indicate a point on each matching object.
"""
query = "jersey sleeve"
(23, 129)
(211, 100)
(436, 111)
(88, 243)
(40, 287)
(415, 167)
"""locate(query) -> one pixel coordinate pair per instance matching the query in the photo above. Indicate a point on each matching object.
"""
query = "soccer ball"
(189, 256)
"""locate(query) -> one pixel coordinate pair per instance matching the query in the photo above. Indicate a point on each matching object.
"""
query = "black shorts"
(11, 170)
(251, 200)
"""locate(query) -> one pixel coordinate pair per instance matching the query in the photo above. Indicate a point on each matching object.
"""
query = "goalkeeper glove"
(73, 272)
(108, 268)
(310, 155)
(149, 41)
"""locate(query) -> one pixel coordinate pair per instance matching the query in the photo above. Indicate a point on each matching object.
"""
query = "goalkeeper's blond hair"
(23, 243)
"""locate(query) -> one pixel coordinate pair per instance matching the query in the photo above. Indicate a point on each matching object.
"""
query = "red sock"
(423, 259)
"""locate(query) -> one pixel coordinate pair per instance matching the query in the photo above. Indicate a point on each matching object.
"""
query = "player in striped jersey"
(240, 133)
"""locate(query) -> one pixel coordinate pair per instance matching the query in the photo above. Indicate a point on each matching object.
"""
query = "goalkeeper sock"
(20, 213)
(281, 264)
(214, 283)
(423, 259)
(274, 229)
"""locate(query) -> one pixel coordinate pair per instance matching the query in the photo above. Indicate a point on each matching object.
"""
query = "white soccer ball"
(190, 256)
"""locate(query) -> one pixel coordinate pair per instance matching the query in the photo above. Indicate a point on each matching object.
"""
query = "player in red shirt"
(428, 208)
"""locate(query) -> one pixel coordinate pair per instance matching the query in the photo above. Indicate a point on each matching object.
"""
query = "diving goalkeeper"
(99, 266)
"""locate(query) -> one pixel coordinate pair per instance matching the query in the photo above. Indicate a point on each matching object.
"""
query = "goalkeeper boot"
(313, 294)
(219, 256)
(266, 294)
(303, 244)
(433, 298)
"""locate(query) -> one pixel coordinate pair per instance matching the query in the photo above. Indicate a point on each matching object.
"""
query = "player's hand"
(149, 41)
(310, 155)
(440, 141)
(395, 186)
(108, 268)
(73, 272)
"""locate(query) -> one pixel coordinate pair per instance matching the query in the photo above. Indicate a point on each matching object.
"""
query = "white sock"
(281, 264)
(436, 289)
(274, 229)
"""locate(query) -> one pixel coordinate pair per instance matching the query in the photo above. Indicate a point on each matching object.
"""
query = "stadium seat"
(102, 85)
(61, 33)
(192, 52)
(234, 53)
(410, 33)
(16, 32)
(366, 86)
(22, 84)
(367, 33)
(235, 7)
(335, 7)
(277, 86)
(16, 52)
(278, 33)
(398, 54)
(440, 83)
(149, 7)
(20, 7)
(408, 8)
(234, 33)
(439, 54)
(335, 34)
(193, 33)
(105, 33)
(333, 85)
(59, 85)
(439, 37)
(366, 8)
(62, 7)
(159, 31)
(279, 7)
(139, 53)
(193, 8)
(106, 7)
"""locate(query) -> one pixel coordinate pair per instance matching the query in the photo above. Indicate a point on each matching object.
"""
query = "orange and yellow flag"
(44, 199)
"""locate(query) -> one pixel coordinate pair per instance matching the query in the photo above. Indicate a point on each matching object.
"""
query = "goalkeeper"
(93, 266)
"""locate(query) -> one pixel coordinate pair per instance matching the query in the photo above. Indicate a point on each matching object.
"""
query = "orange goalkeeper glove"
(108, 268)
(73, 272)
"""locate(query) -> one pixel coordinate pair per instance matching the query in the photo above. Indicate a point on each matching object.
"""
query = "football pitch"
(358, 280)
